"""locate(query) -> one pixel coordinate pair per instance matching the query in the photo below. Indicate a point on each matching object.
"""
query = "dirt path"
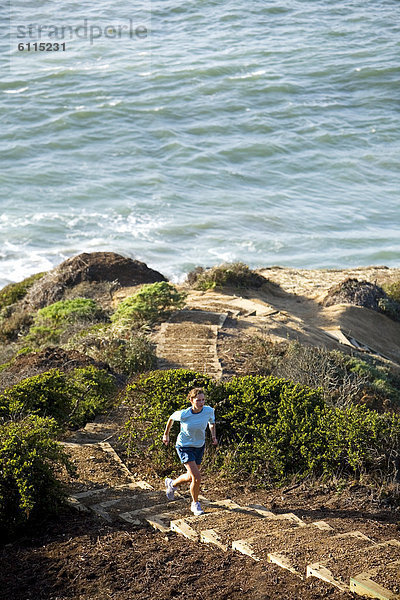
(123, 540)
(288, 307)
(316, 557)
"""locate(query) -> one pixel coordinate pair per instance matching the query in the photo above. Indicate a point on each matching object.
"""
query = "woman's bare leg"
(184, 478)
(194, 472)
(194, 476)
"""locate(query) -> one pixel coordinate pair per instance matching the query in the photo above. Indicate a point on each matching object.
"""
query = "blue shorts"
(190, 454)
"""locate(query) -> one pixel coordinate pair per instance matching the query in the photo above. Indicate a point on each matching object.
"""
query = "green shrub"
(380, 381)
(151, 303)
(361, 442)
(268, 428)
(272, 425)
(30, 458)
(13, 292)
(71, 399)
(126, 355)
(235, 274)
(52, 321)
(14, 323)
(93, 392)
(390, 307)
(76, 309)
(46, 395)
(152, 398)
(393, 290)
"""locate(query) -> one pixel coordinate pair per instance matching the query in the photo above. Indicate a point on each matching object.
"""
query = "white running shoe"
(169, 489)
(196, 509)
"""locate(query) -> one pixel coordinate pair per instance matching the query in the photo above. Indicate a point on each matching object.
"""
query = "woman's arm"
(213, 430)
(167, 430)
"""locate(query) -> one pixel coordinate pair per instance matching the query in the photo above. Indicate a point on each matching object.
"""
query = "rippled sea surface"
(263, 131)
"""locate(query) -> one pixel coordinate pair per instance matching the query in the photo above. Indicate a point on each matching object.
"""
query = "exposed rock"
(95, 267)
(358, 293)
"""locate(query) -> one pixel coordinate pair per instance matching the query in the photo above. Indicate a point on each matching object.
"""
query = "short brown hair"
(194, 393)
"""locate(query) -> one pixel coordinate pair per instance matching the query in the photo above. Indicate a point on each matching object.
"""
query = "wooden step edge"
(355, 534)
(183, 528)
(195, 518)
(262, 510)
(143, 485)
(244, 547)
(321, 572)
(100, 509)
(89, 493)
(129, 518)
(292, 518)
(322, 526)
(110, 450)
(364, 584)
(73, 502)
(161, 522)
(157, 508)
(225, 504)
(210, 536)
(283, 562)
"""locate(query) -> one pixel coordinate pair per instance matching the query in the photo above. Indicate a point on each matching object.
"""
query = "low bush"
(361, 442)
(344, 379)
(14, 323)
(154, 301)
(71, 399)
(126, 355)
(393, 290)
(30, 458)
(93, 392)
(390, 308)
(13, 292)
(228, 274)
(381, 383)
(54, 320)
(46, 395)
(268, 428)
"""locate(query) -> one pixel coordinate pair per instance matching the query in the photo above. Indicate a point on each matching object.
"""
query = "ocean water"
(263, 131)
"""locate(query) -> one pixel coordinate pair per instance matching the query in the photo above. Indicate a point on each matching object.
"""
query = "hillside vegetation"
(292, 411)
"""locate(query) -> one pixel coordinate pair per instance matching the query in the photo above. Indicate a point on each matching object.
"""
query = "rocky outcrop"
(358, 293)
(94, 267)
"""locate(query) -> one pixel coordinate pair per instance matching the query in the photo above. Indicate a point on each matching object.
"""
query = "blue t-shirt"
(193, 426)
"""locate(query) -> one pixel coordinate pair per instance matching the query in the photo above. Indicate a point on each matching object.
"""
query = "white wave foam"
(248, 75)
(19, 91)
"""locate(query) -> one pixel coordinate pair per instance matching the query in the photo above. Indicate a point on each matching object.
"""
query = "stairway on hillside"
(189, 341)
(327, 550)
